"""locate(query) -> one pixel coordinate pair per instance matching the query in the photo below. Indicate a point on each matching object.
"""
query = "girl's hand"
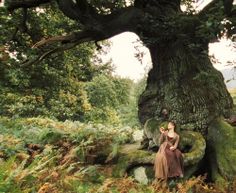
(162, 130)
(172, 148)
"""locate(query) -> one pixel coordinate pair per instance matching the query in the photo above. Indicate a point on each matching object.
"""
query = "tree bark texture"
(187, 85)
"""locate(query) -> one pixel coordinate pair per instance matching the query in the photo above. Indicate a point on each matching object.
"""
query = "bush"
(18, 105)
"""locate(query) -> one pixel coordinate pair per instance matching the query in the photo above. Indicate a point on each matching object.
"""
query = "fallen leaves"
(47, 188)
(122, 185)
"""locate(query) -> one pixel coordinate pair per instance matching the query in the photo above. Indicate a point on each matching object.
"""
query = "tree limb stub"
(66, 38)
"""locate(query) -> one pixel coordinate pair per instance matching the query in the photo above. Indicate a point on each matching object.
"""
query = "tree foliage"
(65, 85)
(34, 30)
(86, 21)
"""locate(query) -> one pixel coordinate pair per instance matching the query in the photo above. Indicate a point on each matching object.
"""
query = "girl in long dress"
(169, 159)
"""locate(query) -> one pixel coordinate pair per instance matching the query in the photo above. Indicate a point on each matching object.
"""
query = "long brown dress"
(168, 163)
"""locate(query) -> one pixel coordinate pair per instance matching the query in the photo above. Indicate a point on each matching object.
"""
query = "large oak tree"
(182, 79)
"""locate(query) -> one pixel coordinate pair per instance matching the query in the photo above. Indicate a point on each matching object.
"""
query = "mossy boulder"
(221, 143)
(152, 133)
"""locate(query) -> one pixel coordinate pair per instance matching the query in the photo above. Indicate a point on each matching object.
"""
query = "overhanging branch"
(96, 27)
(79, 10)
(75, 37)
(72, 41)
(213, 5)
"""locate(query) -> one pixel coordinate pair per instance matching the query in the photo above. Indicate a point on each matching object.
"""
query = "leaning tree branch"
(96, 27)
(113, 24)
(79, 37)
(121, 20)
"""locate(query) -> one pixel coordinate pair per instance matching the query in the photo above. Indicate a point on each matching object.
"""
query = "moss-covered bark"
(221, 150)
(185, 82)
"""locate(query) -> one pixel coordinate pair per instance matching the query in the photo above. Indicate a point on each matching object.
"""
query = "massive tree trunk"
(186, 83)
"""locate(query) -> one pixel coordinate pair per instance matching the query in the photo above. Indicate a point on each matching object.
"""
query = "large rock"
(140, 175)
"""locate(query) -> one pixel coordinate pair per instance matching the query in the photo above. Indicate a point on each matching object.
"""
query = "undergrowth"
(47, 156)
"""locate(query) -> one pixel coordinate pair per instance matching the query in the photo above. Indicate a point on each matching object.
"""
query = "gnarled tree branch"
(80, 11)
(96, 27)
(220, 10)
(113, 24)
(50, 52)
